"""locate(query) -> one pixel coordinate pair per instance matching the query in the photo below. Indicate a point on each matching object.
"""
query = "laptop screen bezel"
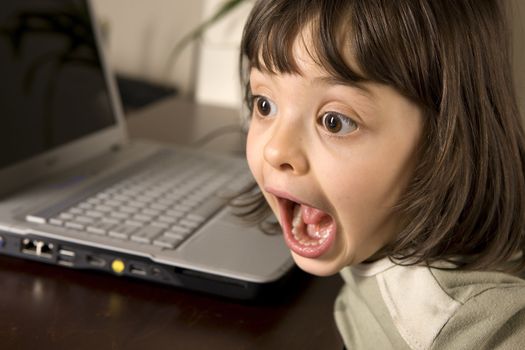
(77, 151)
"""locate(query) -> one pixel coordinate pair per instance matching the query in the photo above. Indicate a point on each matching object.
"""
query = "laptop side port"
(137, 270)
(95, 261)
(66, 257)
(156, 272)
(66, 252)
(37, 247)
(64, 262)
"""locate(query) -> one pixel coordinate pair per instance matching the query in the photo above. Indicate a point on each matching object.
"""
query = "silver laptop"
(75, 192)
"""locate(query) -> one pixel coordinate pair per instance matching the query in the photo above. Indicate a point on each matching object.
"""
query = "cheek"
(364, 191)
(254, 154)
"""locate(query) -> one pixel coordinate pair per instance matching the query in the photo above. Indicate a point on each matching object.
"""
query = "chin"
(318, 266)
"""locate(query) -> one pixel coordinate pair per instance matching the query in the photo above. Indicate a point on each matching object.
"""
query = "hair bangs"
(269, 40)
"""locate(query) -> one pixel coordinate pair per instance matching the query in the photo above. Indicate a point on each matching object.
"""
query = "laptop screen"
(52, 86)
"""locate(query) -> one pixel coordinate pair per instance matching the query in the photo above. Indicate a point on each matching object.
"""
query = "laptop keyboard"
(160, 205)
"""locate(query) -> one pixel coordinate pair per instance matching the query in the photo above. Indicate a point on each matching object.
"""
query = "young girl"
(385, 137)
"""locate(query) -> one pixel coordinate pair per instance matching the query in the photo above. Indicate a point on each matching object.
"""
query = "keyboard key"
(113, 221)
(121, 197)
(166, 201)
(74, 225)
(149, 211)
(188, 223)
(85, 206)
(174, 213)
(160, 224)
(56, 222)
(175, 235)
(167, 242)
(142, 218)
(128, 209)
(179, 231)
(100, 228)
(84, 219)
(36, 218)
(159, 206)
(198, 196)
(182, 207)
(146, 234)
(119, 215)
(103, 208)
(76, 211)
(137, 204)
(94, 201)
(102, 195)
(166, 219)
(189, 202)
(113, 203)
(122, 231)
(134, 223)
(144, 199)
(195, 218)
(66, 216)
(94, 214)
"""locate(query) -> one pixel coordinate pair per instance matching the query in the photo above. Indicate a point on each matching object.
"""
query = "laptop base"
(70, 255)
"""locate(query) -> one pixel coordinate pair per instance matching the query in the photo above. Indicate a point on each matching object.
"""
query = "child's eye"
(336, 123)
(264, 106)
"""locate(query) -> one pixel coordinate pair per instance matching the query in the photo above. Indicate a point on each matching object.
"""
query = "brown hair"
(466, 201)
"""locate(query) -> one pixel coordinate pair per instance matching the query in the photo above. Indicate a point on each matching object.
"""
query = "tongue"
(317, 221)
(312, 216)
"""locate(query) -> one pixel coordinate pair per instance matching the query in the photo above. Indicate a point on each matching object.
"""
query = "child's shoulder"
(467, 286)
(491, 311)
(432, 308)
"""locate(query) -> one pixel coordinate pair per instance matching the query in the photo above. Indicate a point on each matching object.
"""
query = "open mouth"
(308, 231)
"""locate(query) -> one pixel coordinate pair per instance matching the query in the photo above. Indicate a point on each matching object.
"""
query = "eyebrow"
(367, 99)
(334, 80)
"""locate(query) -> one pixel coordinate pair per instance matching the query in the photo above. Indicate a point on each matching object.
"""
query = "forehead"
(308, 65)
(306, 55)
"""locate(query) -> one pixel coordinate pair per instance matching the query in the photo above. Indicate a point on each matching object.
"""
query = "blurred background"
(140, 37)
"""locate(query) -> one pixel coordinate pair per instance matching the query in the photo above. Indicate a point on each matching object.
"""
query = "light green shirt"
(387, 306)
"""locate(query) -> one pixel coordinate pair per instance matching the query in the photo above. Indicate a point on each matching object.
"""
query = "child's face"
(332, 161)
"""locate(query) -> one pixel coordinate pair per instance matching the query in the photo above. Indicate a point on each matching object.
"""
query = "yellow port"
(118, 266)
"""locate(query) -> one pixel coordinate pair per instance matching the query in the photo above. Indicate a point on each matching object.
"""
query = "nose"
(285, 150)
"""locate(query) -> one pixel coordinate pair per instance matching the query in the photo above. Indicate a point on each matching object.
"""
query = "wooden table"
(51, 307)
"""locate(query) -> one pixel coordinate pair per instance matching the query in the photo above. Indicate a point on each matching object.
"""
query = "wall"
(218, 80)
(140, 36)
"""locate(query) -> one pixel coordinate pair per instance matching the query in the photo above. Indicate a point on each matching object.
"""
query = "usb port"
(65, 257)
(95, 261)
(137, 270)
(66, 252)
(64, 261)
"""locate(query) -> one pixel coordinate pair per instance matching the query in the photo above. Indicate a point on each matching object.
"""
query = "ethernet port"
(37, 247)
(46, 249)
(28, 246)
